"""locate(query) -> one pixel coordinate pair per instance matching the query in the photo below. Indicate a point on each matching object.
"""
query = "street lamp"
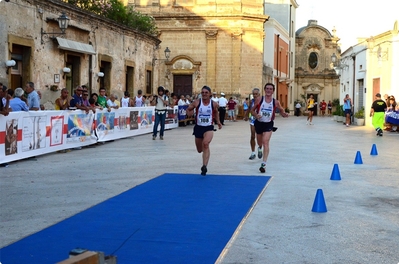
(63, 22)
(167, 56)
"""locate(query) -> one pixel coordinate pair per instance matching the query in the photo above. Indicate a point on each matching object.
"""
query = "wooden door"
(183, 84)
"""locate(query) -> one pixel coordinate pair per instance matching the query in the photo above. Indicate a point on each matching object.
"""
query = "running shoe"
(260, 153)
(253, 156)
(262, 168)
(203, 170)
(154, 137)
(379, 132)
(161, 137)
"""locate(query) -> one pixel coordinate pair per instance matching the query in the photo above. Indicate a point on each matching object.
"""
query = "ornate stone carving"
(314, 46)
(182, 64)
(211, 34)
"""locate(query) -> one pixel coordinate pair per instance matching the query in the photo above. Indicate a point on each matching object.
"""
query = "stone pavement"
(361, 225)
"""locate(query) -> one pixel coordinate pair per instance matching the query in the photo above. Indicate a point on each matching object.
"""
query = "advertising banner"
(28, 134)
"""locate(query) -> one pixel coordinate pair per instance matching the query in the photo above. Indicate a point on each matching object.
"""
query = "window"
(313, 60)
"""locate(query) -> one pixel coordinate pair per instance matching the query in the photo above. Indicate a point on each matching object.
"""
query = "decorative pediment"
(314, 46)
(182, 64)
(313, 88)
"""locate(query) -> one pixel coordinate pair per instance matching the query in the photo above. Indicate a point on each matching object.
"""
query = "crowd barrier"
(28, 134)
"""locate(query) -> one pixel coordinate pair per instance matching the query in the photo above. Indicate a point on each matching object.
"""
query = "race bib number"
(204, 119)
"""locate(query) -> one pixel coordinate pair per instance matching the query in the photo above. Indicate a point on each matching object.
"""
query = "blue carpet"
(174, 218)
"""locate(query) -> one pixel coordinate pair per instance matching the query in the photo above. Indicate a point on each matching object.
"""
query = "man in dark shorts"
(264, 110)
(206, 112)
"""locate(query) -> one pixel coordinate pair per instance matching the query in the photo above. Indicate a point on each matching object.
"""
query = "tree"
(116, 11)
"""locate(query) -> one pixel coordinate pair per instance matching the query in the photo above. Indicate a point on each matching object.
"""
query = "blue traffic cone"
(319, 205)
(358, 159)
(335, 175)
(374, 151)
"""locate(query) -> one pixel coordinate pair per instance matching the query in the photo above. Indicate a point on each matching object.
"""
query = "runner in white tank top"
(204, 116)
(266, 110)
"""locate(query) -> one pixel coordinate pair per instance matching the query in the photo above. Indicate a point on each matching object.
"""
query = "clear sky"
(351, 18)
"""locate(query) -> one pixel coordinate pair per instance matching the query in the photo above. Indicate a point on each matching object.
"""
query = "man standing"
(222, 108)
(323, 106)
(206, 110)
(251, 118)
(264, 110)
(215, 98)
(138, 101)
(17, 104)
(33, 97)
(377, 111)
(348, 109)
(298, 109)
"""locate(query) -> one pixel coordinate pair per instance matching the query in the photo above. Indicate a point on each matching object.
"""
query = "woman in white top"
(160, 102)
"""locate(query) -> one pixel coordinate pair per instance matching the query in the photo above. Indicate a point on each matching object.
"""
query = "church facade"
(314, 73)
(216, 43)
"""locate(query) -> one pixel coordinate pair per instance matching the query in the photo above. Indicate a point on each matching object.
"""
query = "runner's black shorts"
(199, 131)
(261, 127)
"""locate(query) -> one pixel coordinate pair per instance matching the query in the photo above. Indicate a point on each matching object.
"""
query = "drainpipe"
(277, 64)
(354, 84)
(90, 73)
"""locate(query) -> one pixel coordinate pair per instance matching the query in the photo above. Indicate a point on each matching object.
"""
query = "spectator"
(117, 101)
(329, 108)
(377, 113)
(102, 98)
(222, 107)
(175, 99)
(323, 106)
(4, 102)
(33, 97)
(139, 100)
(182, 101)
(215, 98)
(62, 103)
(17, 104)
(77, 100)
(298, 109)
(160, 102)
(231, 105)
(111, 103)
(126, 101)
(40, 97)
(348, 109)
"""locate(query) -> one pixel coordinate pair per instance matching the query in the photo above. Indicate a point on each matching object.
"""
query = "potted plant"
(54, 88)
(359, 117)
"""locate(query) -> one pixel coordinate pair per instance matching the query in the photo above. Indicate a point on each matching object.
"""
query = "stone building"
(279, 49)
(313, 73)
(91, 44)
(216, 43)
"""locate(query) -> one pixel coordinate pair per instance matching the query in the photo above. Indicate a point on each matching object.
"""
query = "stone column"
(211, 58)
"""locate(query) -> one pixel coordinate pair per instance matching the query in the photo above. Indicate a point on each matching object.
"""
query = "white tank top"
(125, 102)
(266, 109)
(204, 116)
(139, 101)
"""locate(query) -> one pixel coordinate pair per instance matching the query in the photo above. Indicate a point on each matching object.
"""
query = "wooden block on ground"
(88, 257)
